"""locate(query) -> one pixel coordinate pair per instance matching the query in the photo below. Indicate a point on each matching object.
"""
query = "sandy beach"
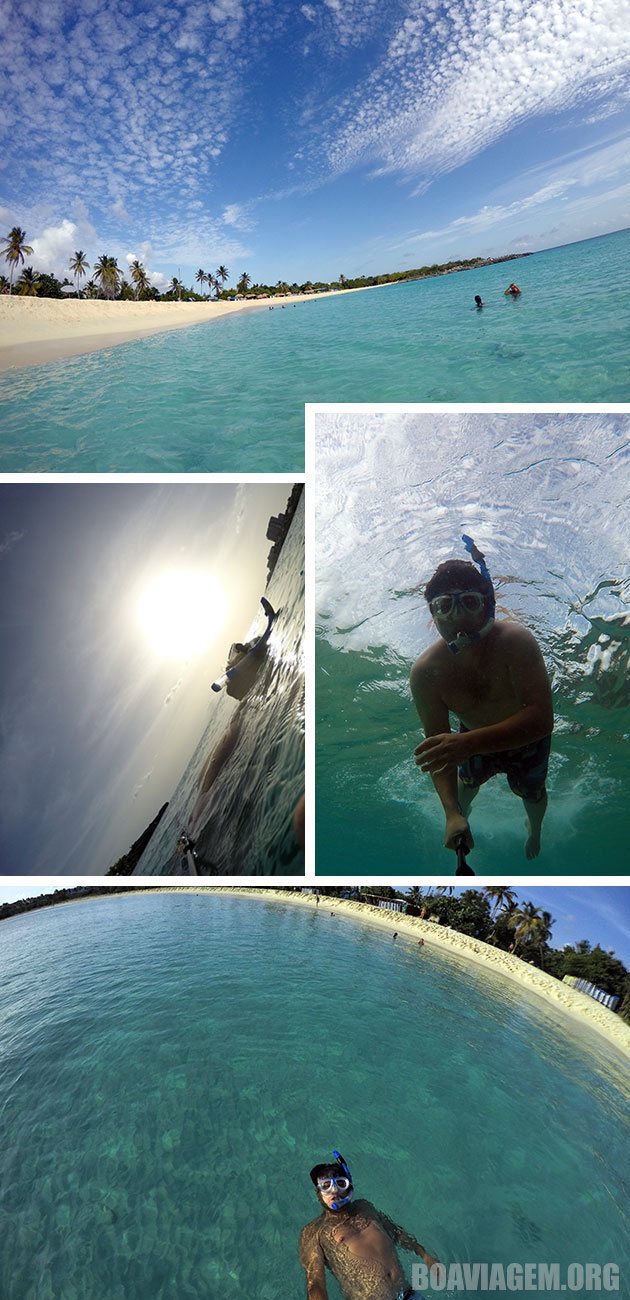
(36, 330)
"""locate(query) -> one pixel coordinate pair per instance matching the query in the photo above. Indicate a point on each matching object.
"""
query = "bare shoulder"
(365, 1207)
(515, 637)
(428, 665)
(309, 1239)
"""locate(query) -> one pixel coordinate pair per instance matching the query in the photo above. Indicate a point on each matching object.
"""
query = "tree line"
(108, 278)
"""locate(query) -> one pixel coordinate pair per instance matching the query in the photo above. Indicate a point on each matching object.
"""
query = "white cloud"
(10, 540)
(119, 210)
(53, 249)
(237, 216)
(457, 78)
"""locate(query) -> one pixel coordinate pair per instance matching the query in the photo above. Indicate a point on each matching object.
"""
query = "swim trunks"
(525, 768)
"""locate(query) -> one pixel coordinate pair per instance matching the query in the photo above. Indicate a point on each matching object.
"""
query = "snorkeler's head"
(461, 600)
(333, 1184)
(456, 575)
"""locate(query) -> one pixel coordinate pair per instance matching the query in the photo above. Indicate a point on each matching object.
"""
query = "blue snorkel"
(338, 1205)
(468, 638)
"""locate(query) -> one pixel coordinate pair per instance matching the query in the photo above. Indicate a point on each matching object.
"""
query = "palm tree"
(500, 897)
(91, 289)
(78, 265)
(15, 250)
(27, 283)
(222, 274)
(139, 277)
(176, 286)
(530, 925)
(109, 273)
(202, 278)
(213, 283)
(244, 283)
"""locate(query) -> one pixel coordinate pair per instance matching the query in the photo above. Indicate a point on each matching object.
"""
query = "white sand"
(35, 330)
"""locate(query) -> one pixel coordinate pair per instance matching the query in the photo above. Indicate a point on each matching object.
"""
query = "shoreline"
(34, 331)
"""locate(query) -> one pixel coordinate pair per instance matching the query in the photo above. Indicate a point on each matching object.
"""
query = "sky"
(104, 694)
(599, 913)
(304, 141)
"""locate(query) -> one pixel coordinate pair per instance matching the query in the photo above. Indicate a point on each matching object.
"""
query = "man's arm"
(402, 1238)
(434, 717)
(532, 721)
(312, 1261)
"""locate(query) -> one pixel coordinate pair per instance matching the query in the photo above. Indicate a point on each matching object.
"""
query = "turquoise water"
(547, 499)
(229, 396)
(171, 1066)
(245, 825)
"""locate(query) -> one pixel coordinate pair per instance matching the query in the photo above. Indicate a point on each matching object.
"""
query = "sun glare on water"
(181, 612)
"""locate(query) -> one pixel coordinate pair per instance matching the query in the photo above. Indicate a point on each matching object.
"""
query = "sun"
(181, 611)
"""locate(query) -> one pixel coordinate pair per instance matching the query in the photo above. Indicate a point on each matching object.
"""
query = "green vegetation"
(108, 279)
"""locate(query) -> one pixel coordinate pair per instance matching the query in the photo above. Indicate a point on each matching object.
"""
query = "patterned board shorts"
(525, 768)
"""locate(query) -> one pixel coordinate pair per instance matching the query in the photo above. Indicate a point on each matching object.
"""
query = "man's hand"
(457, 827)
(437, 753)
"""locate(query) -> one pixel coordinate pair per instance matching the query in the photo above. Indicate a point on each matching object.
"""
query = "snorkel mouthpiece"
(464, 639)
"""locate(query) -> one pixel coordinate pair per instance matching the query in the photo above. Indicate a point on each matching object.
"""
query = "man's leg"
(535, 812)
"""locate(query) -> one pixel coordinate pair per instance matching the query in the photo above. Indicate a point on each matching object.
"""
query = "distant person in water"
(492, 676)
(355, 1241)
(512, 290)
(478, 302)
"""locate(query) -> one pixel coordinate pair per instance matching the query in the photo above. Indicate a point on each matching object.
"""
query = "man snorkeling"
(355, 1241)
(492, 676)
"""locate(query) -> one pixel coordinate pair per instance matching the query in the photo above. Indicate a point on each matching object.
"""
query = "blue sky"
(99, 713)
(307, 140)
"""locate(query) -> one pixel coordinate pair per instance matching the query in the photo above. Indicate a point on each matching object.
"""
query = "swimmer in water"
(512, 290)
(492, 676)
(478, 302)
(355, 1241)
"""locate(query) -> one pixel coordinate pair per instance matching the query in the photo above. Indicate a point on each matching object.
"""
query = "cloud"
(173, 691)
(567, 178)
(10, 540)
(141, 785)
(53, 249)
(119, 210)
(455, 79)
(239, 217)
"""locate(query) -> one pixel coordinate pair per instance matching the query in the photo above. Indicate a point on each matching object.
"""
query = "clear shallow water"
(547, 498)
(230, 396)
(171, 1066)
(245, 825)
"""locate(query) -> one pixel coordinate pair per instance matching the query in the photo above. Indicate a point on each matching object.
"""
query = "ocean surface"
(229, 396)
(547, 499)
(171, 1066)
(245, 824)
